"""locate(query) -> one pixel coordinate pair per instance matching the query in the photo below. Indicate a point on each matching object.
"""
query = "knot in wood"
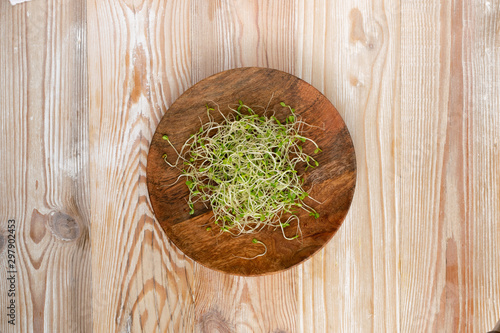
(213, 321)
(64, 226)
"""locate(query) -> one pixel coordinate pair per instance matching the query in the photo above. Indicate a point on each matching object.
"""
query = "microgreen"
(245, 168)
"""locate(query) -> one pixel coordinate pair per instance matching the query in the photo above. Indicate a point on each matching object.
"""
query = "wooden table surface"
(83, 85)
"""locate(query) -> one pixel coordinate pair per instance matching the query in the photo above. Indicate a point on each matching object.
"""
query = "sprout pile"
(245, 169)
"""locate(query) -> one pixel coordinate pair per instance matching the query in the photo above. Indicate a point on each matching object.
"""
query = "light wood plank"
(225, 303)
(449, 167)
(425, 86)
(228, 34)
(44, 165)
(479, 262)
(350, 51)
(139, 62)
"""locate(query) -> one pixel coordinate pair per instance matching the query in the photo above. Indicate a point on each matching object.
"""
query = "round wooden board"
(332, 183)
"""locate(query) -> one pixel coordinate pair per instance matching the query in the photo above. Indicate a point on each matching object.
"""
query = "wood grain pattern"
(481, 90)
(44, 165)
(139, 55)
(230, 34)
(353, 58)
(449, 154)
(331, 183)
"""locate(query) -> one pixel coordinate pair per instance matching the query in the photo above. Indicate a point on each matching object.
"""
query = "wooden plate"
(332, 182)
